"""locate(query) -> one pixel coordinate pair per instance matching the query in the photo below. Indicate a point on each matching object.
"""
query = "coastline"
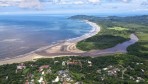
(32, 55)
(68, 48)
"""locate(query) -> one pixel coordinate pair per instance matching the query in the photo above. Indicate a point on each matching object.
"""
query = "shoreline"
(32, 55)
(68, 48)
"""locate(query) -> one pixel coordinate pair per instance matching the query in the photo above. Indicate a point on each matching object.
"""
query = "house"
(78, 83)
(27, 82)
(32, 80)
(142, 70)
(105, 69)
(7, 77)
(63, 73)
(90, 63)
(64, 76)
(74, 62)
(48, 71)
(56, 80)
(102, 78)
(132, 78)
(43, 67)
(21, 66)
(140, 79)
(40, 80)
(98, 71)
(113, 71)
(43, 73)
(137, 81)
(63, 63)
(56, 62)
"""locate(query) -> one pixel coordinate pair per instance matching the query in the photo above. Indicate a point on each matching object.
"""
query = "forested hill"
(142, 17)
(137, 19)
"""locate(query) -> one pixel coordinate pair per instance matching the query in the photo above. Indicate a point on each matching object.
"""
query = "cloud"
(39, 3)
(116, 1)
(72, 2)
(79, 2)
(145, 3)
(56, 5)
(21, 3)
(94, 1)
(30, 4)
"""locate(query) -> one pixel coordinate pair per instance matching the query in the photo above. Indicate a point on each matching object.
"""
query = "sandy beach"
(55, 48)
(68, 48)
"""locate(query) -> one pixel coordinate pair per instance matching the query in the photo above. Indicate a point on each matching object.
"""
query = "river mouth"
(24, 34)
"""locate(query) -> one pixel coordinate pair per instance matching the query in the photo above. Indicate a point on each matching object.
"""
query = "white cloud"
(39, 4)
(79, 2)
(72, 2)
(21, 3)
(94, 1)
(30, 4)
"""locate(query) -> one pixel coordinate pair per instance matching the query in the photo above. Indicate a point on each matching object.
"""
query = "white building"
(56, 80)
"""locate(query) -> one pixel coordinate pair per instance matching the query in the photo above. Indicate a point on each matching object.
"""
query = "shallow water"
(20, 34)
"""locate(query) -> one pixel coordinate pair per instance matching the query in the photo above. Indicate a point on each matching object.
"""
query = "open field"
(118, 28)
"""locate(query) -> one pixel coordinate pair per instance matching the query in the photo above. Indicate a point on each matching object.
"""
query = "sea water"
(21, 34)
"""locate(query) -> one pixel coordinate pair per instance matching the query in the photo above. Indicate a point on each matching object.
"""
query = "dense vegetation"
(134, 69)
(107, 37)
(100, 42)
(110, 37)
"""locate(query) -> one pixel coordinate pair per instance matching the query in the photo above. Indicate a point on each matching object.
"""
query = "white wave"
(12, 40)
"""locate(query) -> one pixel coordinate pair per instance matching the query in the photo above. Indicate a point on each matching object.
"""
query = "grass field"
(118, 28)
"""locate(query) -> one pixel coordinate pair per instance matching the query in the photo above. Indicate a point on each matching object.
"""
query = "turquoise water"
(21, 34)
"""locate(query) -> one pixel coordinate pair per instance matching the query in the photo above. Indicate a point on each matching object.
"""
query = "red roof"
(44, 67)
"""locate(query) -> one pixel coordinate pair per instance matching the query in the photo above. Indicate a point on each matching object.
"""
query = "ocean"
(21, 34)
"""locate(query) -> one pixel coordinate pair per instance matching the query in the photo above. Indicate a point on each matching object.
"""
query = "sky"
(73, 6)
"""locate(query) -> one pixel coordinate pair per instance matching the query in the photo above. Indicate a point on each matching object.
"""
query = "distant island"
(129, 65)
